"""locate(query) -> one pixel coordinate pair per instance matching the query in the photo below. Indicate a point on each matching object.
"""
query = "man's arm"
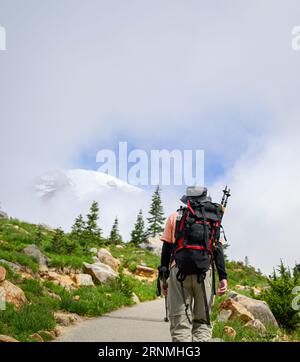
(166, 254)
(220, 261)
(220, 265)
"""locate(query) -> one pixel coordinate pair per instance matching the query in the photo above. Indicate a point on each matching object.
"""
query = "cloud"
(223, 77)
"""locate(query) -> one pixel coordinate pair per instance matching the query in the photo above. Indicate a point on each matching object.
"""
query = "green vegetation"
(280, 297)
(138, 234)
(115, 237)
(157, 219)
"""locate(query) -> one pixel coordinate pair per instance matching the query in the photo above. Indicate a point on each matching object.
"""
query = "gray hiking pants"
(180, 328)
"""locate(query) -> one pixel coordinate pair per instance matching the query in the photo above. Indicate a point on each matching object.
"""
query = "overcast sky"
(79, 76)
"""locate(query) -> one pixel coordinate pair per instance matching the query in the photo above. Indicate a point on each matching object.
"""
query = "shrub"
(279, 297)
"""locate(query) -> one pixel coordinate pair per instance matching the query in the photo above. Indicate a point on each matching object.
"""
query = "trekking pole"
(165, 286)
(163, 276)
(224, 195)
(228, 194)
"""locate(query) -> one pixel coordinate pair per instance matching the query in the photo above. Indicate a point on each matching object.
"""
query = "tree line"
(86, 232)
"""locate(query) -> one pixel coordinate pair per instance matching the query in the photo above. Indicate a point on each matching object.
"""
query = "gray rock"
(33, 250)
(100, 272)
(153, 244)
(258, 308)
(135, 298)
(15, 267)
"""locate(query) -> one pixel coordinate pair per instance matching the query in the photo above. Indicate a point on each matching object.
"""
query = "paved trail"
(141, 323)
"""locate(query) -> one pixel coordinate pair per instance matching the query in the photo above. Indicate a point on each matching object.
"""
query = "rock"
(105, 257)
(224, 315)
(230, 331)
(238, 310)
(153, 244)
(51, 294)
(15, 267)
(76, 298)
(2, 274)
(258, 308)
(66, 319)
(100, 272)
(63, 280)
(43, 270)
(144, 271)
(83, 280)
(36, 337)
(118, 246)
(58, 331)
(95, 259)
(13, 294)
(33, 250)
(25, 275)
(135, 298)
(93, 250)
(47, 335)
(4, 338)
(257, 325)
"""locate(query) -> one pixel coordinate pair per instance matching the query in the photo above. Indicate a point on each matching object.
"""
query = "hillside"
(47, 290)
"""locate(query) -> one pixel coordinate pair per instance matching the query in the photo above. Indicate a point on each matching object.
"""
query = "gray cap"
(194, 191)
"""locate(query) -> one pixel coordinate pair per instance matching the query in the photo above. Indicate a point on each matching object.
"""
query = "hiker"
(191, 251)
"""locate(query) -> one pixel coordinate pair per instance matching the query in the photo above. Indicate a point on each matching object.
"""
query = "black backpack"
(197, 228)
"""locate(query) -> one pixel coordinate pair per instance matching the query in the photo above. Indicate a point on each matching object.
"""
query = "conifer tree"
(115, 237)
(156, 220)
(92, 218)
(78, 227)
(138, 234)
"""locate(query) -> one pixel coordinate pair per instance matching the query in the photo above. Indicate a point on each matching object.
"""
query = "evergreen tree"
(138, 234)
(91, 225)
(78, 227)
(156, 220)
(115, 237)
(58, 241)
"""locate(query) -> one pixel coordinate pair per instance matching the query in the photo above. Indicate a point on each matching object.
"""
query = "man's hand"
(164, 288)
(222, 288)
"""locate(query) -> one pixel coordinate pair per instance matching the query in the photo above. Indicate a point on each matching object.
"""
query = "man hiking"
(191, 251)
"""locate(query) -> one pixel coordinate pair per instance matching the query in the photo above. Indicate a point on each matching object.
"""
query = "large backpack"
(197, 229)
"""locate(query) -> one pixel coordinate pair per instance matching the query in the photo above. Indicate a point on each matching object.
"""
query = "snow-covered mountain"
(62, 195)
(83, 184)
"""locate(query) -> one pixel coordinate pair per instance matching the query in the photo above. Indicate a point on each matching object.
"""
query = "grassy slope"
(38, 315)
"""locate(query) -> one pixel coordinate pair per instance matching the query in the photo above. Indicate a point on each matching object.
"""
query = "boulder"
(258, 308)
(135, 298)
(256, 290)
(93, 250)
(230, 331)
(13, 294)
(4, 338)
(100, 272)
(36, 337)
(34, 251)
(66, 319)
(83, 280)
(47, 335)
(153, 244)
(63, 280)
(58, 331)
(118, 246)
(224, 315)
(242, 287)
(105, 257)
(237, 309)
(144, 271)
(2, 274)
(257, 325)
(15, 267)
